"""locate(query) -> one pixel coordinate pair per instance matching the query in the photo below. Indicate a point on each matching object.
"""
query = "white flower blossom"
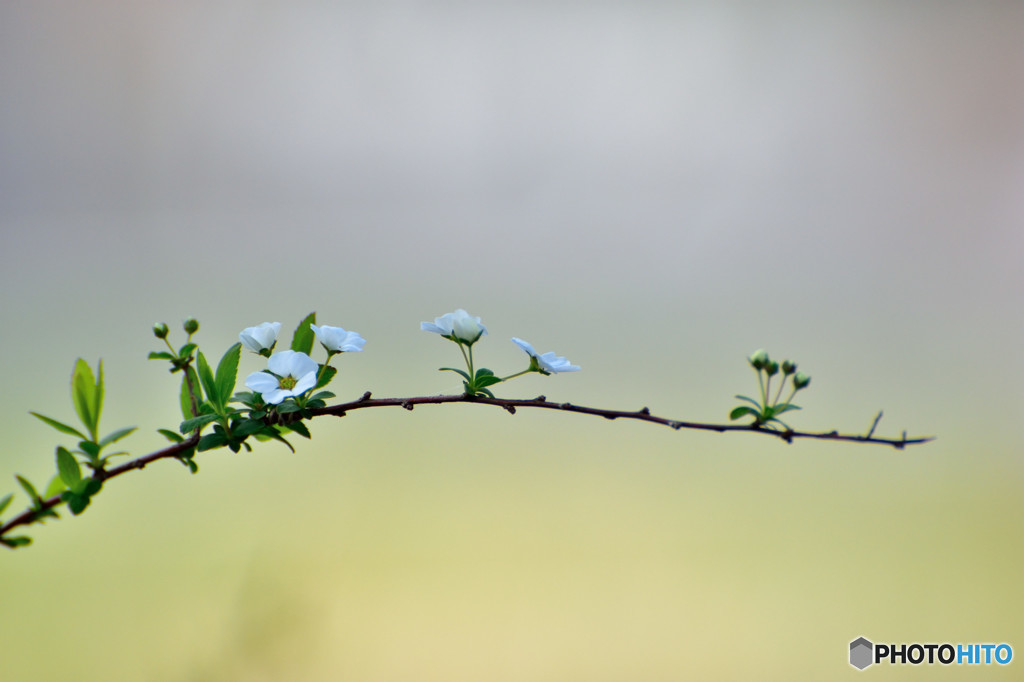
(337, 340)
(295, 374)
(548, 362)
(260, 338)
(459, 326)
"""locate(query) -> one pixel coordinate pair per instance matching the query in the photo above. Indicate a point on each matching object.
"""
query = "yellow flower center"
(288, 383)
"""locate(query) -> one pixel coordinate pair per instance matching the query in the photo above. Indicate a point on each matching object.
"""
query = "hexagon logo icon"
(861, 653)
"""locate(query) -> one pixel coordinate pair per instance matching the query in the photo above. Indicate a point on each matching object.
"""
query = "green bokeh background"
(652, 189)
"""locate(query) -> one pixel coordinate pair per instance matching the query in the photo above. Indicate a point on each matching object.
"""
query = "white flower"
(260, 338)
(337, 340)
(459, 326)
(548, 362)
(295, 374)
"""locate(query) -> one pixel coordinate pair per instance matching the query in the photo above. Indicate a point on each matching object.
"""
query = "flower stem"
(517, 374)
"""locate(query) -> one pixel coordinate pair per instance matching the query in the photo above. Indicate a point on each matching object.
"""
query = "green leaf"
(186, 397)
(55, 487)
(751, 401)
(206, 378)
(76, 502)
(15, 542)
(300, 428)
(186, 350)
(87, 394)
(196, 422)
(322, 395)
(303, 339)
(161, 356)
(227, 373)
(486, 380)
(29, 488)
(116, 436)
(247, 427)
(60, 426)
(484, 372)
(89, 449)
(68, 467)
(742, 410)
(211, 441)
(6, 501)
(170, 435)
(328, 374)
(458, 371)
(287, 407)
(787, 408)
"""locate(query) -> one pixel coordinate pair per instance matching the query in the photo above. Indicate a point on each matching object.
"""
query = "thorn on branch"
(540, 399)
(787, 436)
(646, 411)
(511, 409)
(365, 397)
(871, 431)
(407, 405)
(676, 425)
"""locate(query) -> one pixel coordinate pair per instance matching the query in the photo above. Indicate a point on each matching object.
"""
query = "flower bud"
(772, 368)
(759, 359)
(191, 326)
(801, 380)
(160, 330)
(788, 367)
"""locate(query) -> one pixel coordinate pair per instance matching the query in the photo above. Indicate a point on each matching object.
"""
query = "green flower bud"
(191, 325)
(772, 368)
(759, 359)
(801, 380)
(161, 331)
(788, 367)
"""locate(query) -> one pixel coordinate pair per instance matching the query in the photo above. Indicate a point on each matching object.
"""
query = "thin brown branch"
(35, 513)
(643, 414)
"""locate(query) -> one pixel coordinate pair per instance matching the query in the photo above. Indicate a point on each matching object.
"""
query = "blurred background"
(652, 189)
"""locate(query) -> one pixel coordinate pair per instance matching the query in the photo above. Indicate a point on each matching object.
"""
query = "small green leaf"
(55, 487)
(206, 377)
(486, 380)
(227, 373)
(161, 356)
(186, 396)
(287, 407)
(484, 372)
(751, 401)
(211, 441)
(89, 449)
(6, 501)
(60, 426)
(87, 394)
(196, 422)
(29, 488)
(170, 435)
(458, 371)
(304, 337)
(76, 502)
(68, 467)
(787, 408)
(742, 410)
(326, 377)
(247, 427)
(186, 350)
(15, 542)
(300, 428)
(322, 395)
(116, 436)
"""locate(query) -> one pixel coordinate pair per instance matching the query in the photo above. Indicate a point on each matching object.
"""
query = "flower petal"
(262, 382)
